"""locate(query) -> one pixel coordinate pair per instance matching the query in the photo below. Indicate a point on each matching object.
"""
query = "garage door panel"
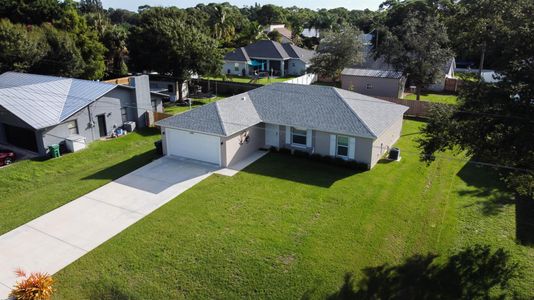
(193, 145)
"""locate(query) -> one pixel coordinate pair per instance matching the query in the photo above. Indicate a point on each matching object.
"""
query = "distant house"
(268, 56)
(375, 77)
(448, 72)
(37, 111)
(284, 32)
(383, 83)
(316, 119)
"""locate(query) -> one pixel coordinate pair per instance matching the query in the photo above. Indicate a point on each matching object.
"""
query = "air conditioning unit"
(129, 126)
(394, 154)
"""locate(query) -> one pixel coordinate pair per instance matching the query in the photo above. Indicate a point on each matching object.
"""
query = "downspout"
(91, 122)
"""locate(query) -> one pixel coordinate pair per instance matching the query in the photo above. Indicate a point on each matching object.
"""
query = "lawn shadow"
(484, 183)
(473, 273)
(109, 291)
(124, 167)
(148, 131)
(298, 169)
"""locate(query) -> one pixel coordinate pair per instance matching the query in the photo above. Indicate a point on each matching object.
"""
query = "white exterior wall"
(193, 145)
(296, 67)
(386, 140)
(230, 65)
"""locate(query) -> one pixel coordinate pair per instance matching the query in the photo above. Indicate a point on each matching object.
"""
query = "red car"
(7, 157)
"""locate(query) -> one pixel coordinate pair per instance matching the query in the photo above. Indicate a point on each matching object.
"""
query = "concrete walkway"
(58, 238)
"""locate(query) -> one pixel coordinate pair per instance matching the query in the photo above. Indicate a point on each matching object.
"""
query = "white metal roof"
(43, 101)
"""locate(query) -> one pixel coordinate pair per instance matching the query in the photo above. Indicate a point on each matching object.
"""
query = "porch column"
(268, 68)
(282, 68)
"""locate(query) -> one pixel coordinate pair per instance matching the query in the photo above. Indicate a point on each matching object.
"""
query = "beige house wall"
(373, 86)
(235, 148)
(386, 140)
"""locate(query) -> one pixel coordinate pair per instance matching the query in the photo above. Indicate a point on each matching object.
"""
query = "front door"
(102, 125)
(272, 135)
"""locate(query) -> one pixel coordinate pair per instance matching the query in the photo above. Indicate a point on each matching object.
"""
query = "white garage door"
(193, 145)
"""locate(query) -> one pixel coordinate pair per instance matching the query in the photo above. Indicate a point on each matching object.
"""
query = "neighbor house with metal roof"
(373, 82)
(268, 56)
(37, 111)
(316, 119)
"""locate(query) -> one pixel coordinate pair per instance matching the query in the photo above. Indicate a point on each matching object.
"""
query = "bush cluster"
(338, 161)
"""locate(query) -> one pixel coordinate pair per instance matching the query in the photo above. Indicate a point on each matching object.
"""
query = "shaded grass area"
(32, 188)
(172, 108)
(240, 79)
(287, 227)
(435, 97)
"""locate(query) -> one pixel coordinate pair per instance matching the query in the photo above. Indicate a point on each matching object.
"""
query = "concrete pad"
(240, 165)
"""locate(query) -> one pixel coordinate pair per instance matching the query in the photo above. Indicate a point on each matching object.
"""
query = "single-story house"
(268, 56)
(284, 32)
(37, 111)
(382, 78)
(381, 83)
(317, 119)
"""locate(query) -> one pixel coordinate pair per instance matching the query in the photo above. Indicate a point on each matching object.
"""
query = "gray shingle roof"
(306, 106)
(269, 49)
(372, 73)
(300, 53)
(43, 101)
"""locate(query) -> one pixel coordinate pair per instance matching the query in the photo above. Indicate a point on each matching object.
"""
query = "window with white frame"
(124, 115)
(236, 67)
(298, 136)
(342, 146)
(73, 127)
(154, 105)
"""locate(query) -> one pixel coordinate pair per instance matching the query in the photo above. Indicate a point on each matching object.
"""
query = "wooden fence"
(419, 109)
(157, 116)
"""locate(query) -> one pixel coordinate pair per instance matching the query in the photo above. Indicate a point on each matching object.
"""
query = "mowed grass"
(435, 97)
(172, 108)
(287, 227)
(263, 81)
(31, 188)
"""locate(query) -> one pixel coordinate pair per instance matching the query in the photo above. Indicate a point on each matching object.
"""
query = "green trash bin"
(54, 151)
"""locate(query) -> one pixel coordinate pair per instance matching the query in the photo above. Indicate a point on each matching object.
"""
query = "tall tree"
(91, 6)
(494, 123)
(63, 57)
(336, 51)
(271, 14)
(87, 42)
(33, 12)
(20, 48)
(115, 40)
(413, 39)
(181, 50)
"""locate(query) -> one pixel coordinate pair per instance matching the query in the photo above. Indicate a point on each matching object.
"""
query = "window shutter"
(288, 135)
(352, 147)
(333, 145)
(309, 136)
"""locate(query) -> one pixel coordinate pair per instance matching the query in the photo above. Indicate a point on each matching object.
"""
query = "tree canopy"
(336, 51)
(414, 40)
(163, 42)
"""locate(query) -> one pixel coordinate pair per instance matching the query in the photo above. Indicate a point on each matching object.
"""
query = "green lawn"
(435, 97)
(263, 81)
(32, 188)
(286, 227)
(172, 108)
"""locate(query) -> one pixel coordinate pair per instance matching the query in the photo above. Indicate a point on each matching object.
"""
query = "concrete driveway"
(56, 239)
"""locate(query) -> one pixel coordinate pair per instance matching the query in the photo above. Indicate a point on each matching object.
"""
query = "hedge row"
(338, 161)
